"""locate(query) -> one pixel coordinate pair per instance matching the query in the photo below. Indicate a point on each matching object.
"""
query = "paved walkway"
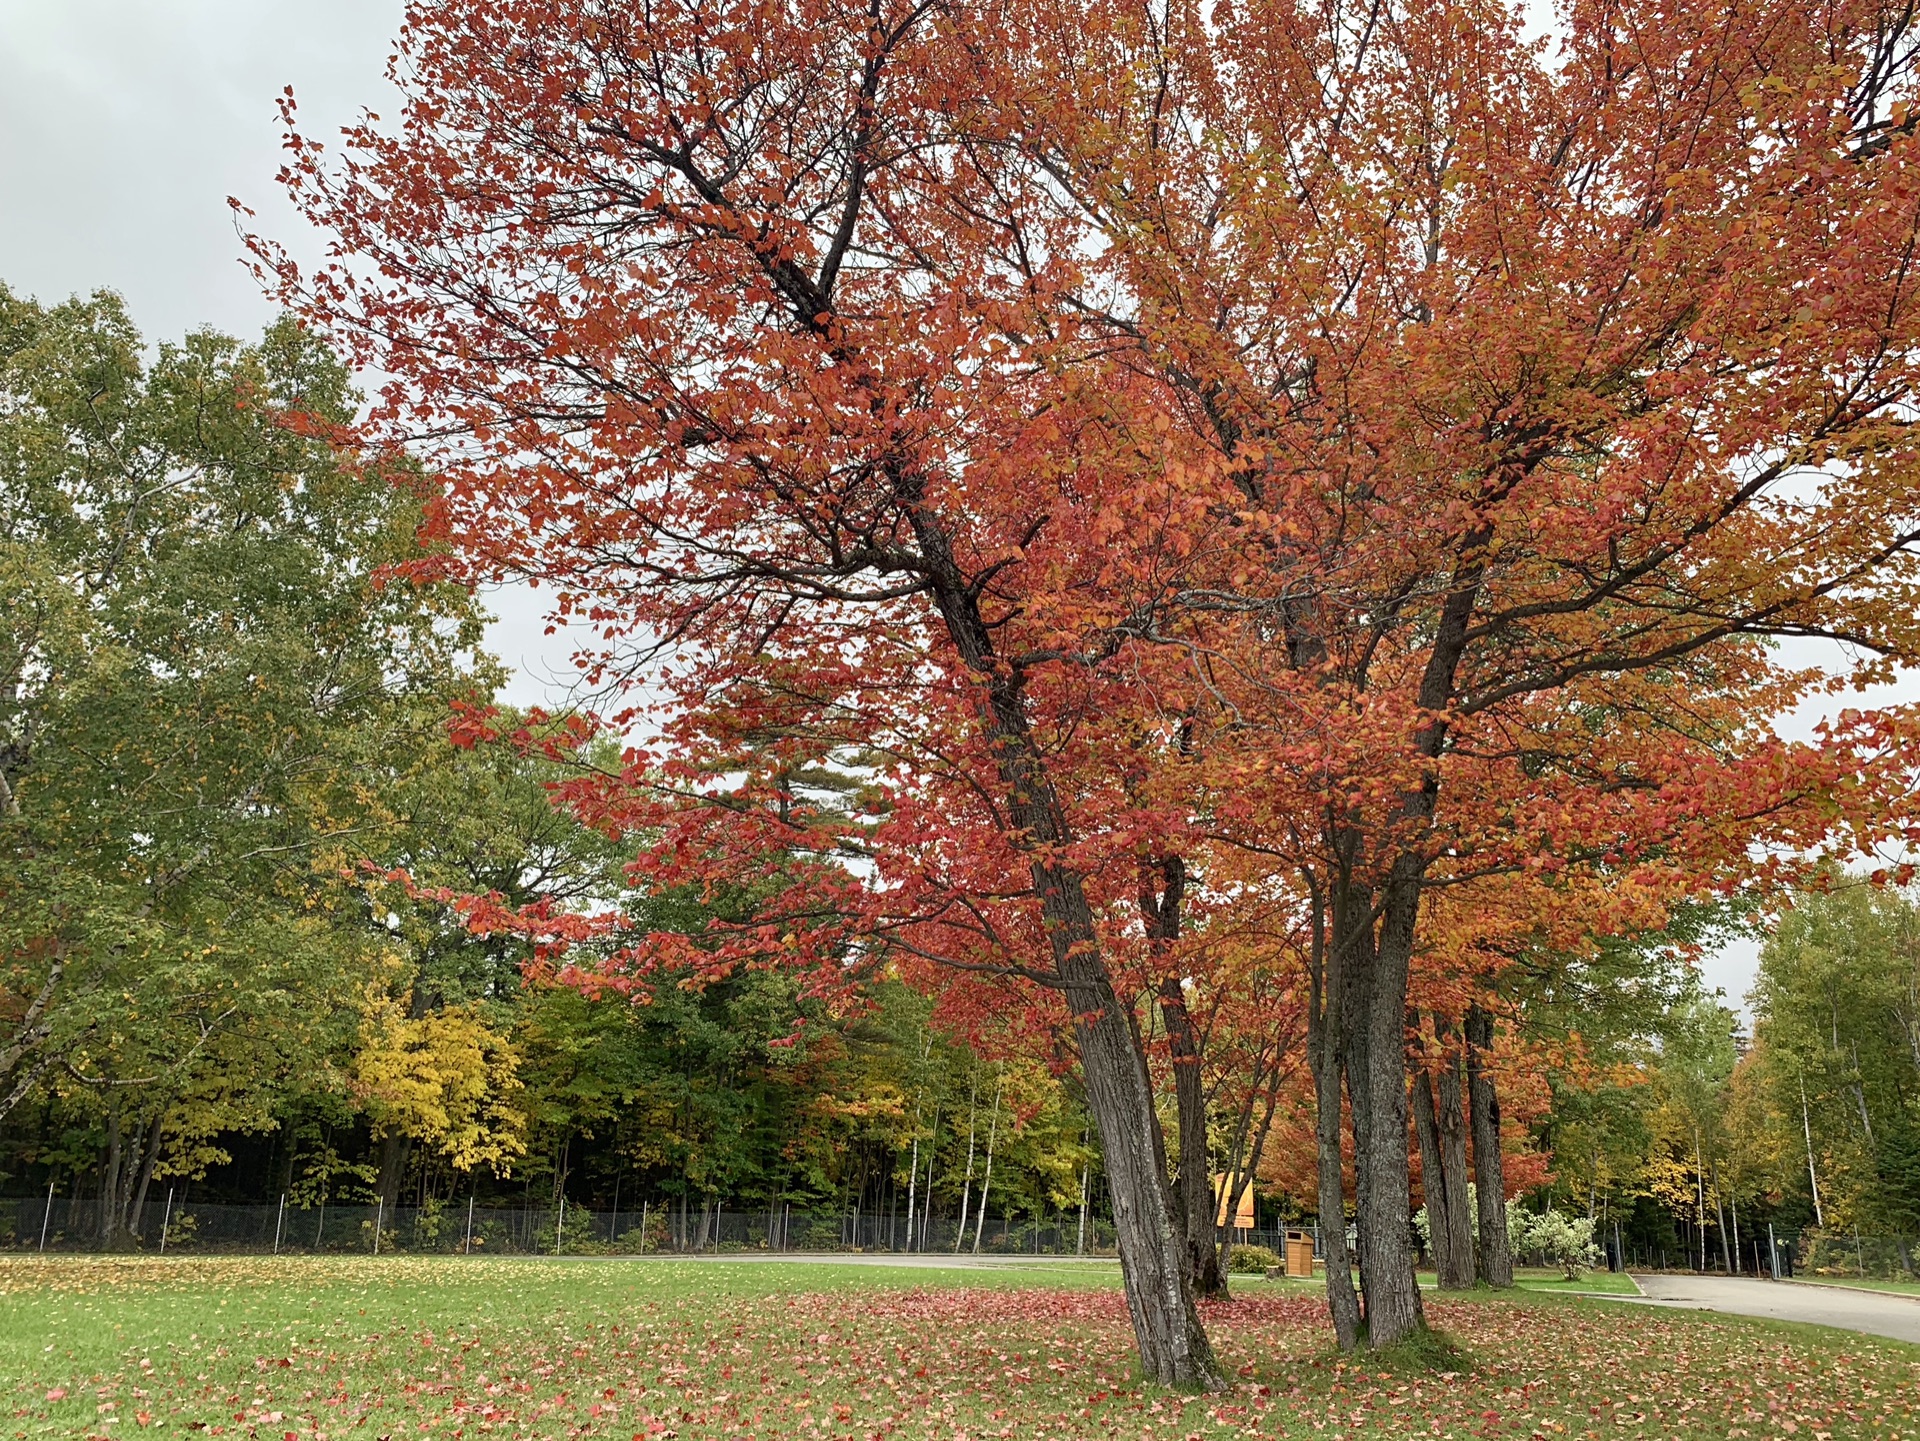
(1877, 1314)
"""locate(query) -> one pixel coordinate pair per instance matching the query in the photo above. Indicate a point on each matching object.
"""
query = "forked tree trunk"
(1496, 1253)
(1372, 966)
(1373, 946)
(125, 1175)
(1249, 1140)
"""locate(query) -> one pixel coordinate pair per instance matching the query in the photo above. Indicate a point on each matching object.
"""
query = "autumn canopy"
(1254, 485)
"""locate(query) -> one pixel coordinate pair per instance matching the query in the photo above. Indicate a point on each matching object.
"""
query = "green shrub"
(1251, 1260)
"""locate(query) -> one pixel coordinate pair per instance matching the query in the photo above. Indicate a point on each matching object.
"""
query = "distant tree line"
(1693, 1131)
(224, 729)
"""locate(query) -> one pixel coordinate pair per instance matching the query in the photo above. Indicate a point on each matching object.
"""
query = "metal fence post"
(379, 1215)
(166, 1222)
(467, 1249)
(278, 1222)
(46, 1216)
(559, 1224)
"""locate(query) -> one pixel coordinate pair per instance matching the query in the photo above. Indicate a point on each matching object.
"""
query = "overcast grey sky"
(126, 124)
(124, 127)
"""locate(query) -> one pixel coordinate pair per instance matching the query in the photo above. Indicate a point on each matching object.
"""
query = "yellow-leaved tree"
(447, 1080)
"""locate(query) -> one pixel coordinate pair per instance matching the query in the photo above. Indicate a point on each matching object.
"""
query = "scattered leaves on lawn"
(299, 1349)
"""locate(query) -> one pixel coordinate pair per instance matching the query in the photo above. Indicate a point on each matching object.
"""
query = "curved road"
(1876, 1313)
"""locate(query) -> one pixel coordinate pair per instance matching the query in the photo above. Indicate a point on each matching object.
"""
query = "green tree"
(1837, 1008)
(199, 658)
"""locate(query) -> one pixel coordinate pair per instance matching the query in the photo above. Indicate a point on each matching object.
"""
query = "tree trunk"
(124, 1179)
(1451, 1101)
(1080, 1244)
(1733, 1206)
(913, 1191)
(138, 1205)
(1720, 1219)
(986, 1180)
(394, 1151)
(108, 1229)
(1198, 1205)
(1243, 1163)
(1441, 1129)
(1376, 964)
(966, 1188)
(1193, 1185)
(926, 1202)
(1324, 1058)
(1392, 1289)
(1496, 1255)
(1373, 970)
(1353, 958)
(1453, 1269)
(1174, 1350)
(23, 1059)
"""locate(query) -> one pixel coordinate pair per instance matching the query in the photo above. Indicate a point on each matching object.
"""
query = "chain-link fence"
(174, 1225)
(1782, 1255)
(1846, 1256)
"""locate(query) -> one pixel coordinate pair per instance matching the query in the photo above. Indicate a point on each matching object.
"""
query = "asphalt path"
(1876, 1313)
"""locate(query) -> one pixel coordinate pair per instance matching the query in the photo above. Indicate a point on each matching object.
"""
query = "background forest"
(242, 796)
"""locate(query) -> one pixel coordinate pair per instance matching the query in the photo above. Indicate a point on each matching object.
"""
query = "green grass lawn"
(1607, 1283)
(1527, 1278)
(1898, 1288)
(392, 1347)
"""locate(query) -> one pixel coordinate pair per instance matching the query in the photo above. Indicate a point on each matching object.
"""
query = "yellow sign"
(1242, 1214)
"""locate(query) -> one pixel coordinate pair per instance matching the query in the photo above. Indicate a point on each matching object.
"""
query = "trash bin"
(1299, 1253)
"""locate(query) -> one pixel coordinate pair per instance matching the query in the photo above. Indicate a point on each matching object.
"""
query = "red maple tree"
(1398, 439)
